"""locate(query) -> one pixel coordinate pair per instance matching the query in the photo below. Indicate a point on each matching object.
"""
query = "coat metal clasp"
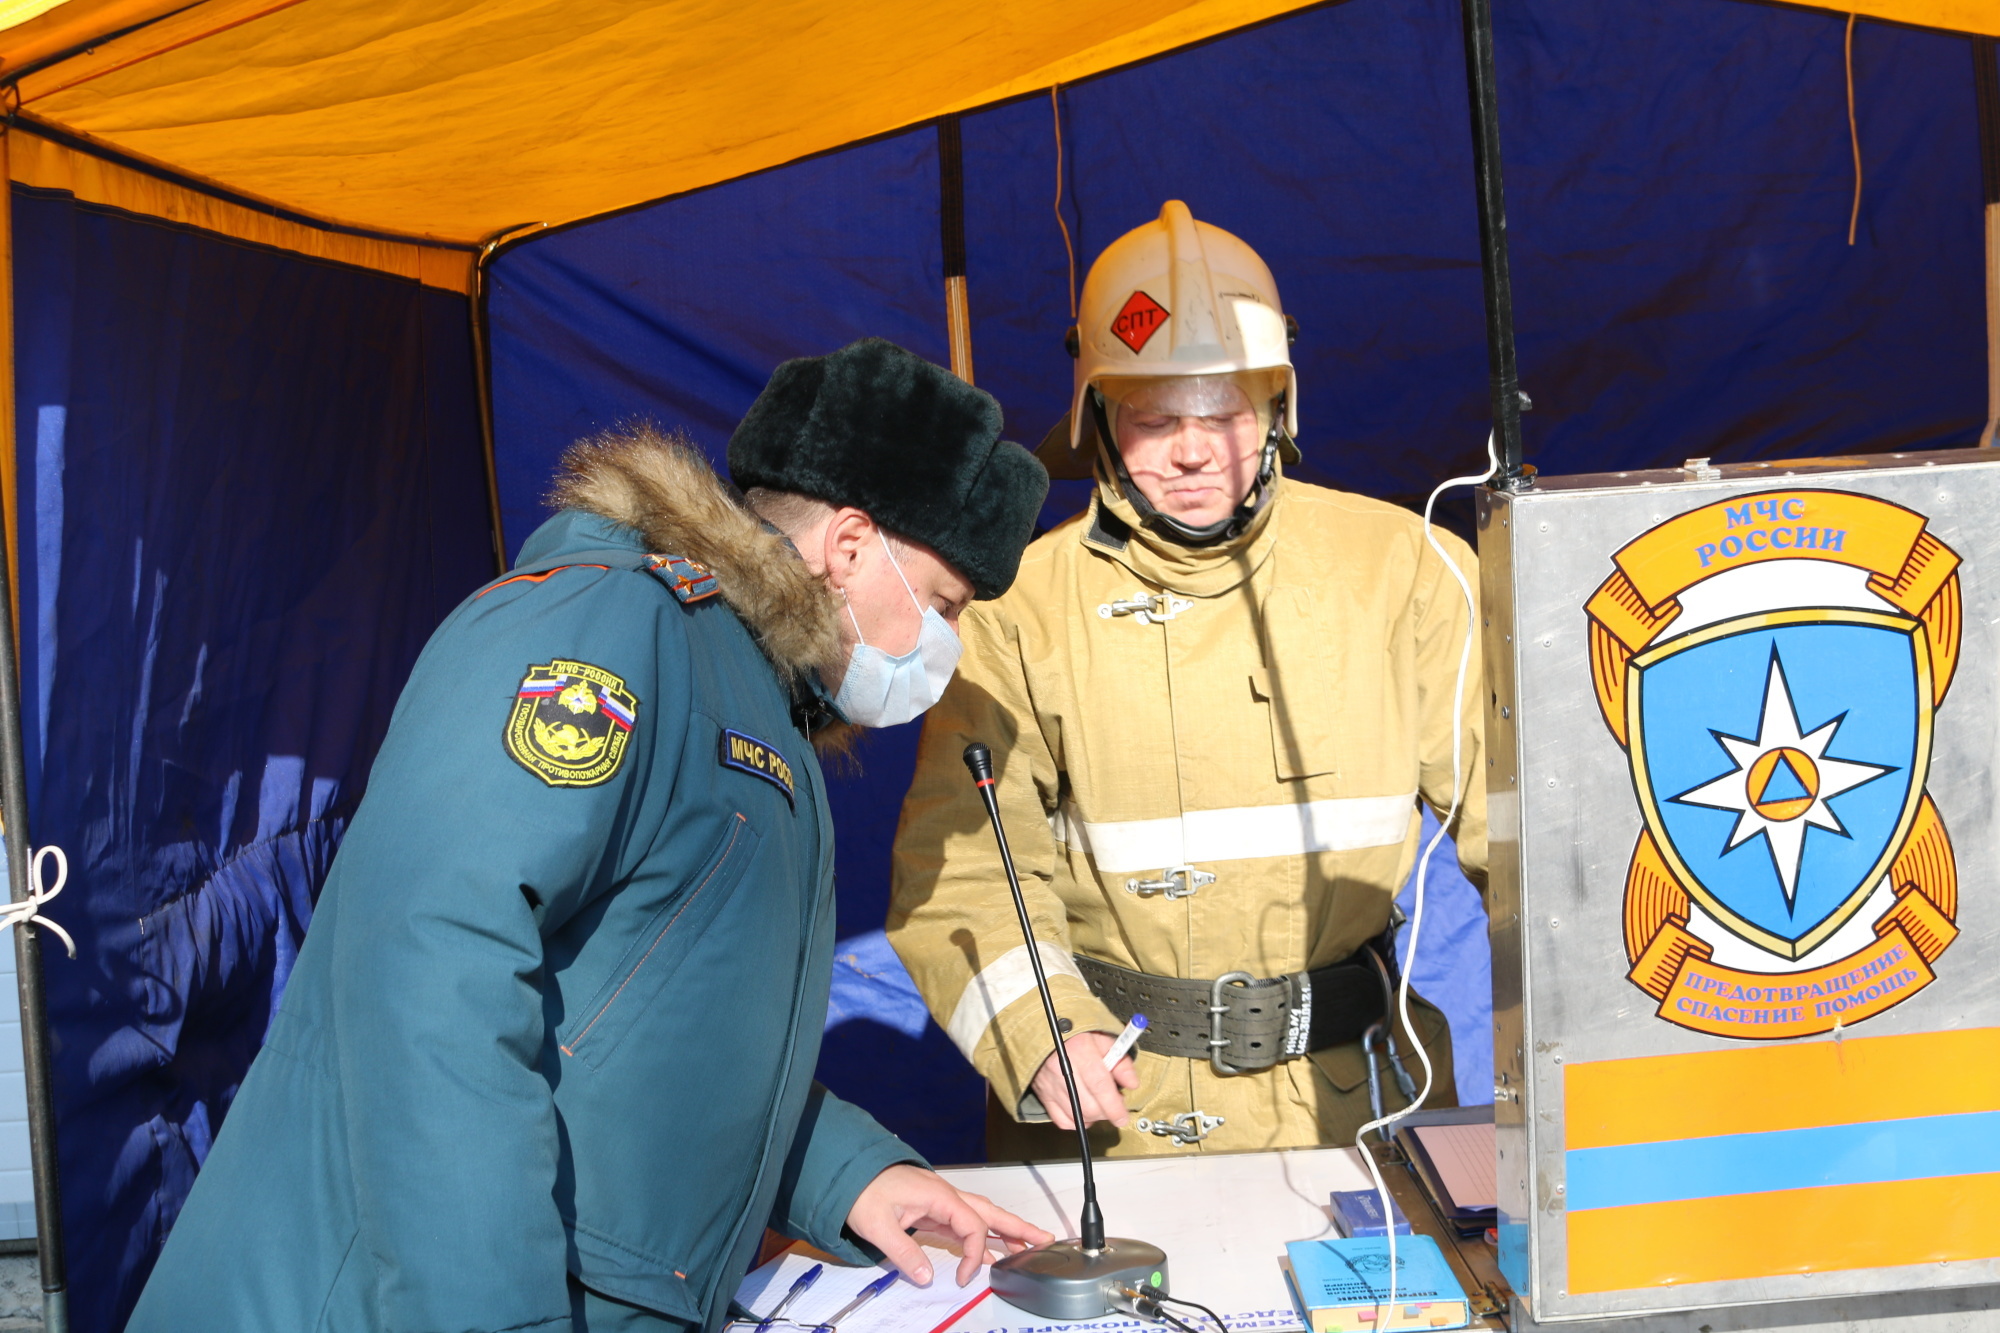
(1148, 609)
(1174, 882)
(1187, 1127)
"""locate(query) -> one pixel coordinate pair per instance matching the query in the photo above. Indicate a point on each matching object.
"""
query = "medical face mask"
(882, 691)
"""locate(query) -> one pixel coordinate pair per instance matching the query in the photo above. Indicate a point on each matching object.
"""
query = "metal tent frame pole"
(28, 969)
(14, 827)
(1503, 372)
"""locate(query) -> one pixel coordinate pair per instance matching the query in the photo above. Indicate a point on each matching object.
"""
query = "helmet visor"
(1194, 395)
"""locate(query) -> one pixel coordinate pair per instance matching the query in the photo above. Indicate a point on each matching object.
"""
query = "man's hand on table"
(905, 1197)
(1098, 1089)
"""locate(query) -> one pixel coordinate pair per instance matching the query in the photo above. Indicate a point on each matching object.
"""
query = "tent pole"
(1502, 373)
(1986, 84)
(951, 221)
(482, 377)
(482, 383)
(14, 828)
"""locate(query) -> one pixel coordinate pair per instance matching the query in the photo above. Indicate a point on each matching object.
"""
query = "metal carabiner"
(1174, 882)
(1368, 1039)
(1217, 1043)
(1187, 1127)
(1147, 608)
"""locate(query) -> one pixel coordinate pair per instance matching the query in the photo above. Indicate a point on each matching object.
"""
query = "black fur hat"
(917, 448)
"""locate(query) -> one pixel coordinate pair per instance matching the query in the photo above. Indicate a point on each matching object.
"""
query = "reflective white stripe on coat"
(1005, 980)
(1244, 833)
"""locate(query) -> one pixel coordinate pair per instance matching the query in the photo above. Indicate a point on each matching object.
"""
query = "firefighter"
(1216, 700)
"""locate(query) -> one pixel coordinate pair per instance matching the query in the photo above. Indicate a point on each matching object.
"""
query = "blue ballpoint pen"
(867, 1294)
(806, 1279)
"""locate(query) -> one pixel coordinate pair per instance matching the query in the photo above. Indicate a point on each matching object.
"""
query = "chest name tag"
(570, 723)
(747, 754)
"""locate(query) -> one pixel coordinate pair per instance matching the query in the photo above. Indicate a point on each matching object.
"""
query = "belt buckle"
(1217, 1043)
(1182, 881)
(1187, 1127)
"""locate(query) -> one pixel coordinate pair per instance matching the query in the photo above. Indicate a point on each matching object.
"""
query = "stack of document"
(901, 1308)
(1341, 1285)
(1455, 1163)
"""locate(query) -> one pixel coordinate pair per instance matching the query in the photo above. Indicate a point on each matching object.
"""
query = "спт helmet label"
(1138, 320)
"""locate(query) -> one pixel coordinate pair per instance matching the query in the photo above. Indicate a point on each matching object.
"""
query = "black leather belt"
(1239, 1022)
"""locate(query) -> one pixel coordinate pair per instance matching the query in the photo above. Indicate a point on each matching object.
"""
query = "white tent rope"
(29, 910)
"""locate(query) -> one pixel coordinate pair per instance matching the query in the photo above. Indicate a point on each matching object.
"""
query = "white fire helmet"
(1177, 297)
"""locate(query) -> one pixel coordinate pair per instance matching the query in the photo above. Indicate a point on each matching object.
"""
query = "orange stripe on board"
(1755, 1089)
(1787, 1231)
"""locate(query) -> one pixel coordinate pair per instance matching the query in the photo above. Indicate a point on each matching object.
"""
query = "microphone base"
(1060, 1281)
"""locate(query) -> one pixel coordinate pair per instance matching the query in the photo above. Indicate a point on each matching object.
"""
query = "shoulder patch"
(747, 754)
(689, 580)
(570, 723)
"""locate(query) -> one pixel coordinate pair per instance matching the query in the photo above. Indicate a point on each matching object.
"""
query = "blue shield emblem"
(1779, 759)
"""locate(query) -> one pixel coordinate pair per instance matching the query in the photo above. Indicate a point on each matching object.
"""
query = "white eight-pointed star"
(1782, 781)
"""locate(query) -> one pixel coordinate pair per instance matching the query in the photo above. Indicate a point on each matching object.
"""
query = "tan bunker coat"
(1271, 719)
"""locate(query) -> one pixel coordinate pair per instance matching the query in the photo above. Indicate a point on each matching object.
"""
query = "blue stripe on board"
(1788, 1159)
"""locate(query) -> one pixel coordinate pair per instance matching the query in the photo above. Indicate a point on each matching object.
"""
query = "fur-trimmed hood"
(661, 487)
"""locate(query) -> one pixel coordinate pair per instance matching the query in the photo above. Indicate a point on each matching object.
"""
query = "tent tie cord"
(1055, 110)
(28, 911)
(1853, 131)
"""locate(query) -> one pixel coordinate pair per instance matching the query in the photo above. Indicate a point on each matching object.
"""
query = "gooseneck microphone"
(980, 760)
(1089, 1276)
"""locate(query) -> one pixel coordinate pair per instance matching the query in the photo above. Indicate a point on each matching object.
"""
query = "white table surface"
(1222, 1218)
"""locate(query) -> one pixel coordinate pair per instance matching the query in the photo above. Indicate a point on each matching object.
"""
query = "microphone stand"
(1089, 1276)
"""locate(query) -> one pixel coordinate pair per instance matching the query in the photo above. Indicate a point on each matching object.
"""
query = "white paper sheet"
(1223, 1219)
(1464, 1158)
(903, 1308)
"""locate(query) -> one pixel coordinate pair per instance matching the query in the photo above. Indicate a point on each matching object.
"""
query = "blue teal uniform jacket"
(559, 1006)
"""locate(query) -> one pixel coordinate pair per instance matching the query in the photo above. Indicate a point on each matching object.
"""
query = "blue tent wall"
(678, 313)
(1679, 182)
(1680, 178)
(251, 485)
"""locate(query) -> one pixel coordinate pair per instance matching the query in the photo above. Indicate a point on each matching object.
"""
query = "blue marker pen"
(867, 1294)
(1126, 1041)
(806, 1279)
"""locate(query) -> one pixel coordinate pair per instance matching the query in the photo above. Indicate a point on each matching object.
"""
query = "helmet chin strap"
(1173, 529)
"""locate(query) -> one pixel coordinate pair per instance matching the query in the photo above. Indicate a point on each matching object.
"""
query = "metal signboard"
(1743, 726)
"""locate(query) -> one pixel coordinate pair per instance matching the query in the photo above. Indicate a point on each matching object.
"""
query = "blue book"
(1340, 1285)
(1359, 1213)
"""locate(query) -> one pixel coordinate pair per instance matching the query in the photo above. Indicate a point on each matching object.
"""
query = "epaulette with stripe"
(688, 580)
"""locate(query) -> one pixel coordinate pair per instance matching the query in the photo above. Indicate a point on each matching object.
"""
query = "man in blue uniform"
(546, 1059)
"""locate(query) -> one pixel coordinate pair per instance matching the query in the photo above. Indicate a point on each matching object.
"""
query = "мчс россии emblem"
(1771, 665)
(570, 723)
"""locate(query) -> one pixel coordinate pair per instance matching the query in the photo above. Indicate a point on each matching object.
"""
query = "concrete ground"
(20, 1294)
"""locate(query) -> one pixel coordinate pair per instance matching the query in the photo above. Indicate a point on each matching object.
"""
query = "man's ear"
(848, 533)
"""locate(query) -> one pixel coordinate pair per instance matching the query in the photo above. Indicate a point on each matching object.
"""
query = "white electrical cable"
(1423, 865)
(29, 910)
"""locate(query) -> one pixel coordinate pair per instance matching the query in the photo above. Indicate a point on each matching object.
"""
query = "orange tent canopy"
(459, 120)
